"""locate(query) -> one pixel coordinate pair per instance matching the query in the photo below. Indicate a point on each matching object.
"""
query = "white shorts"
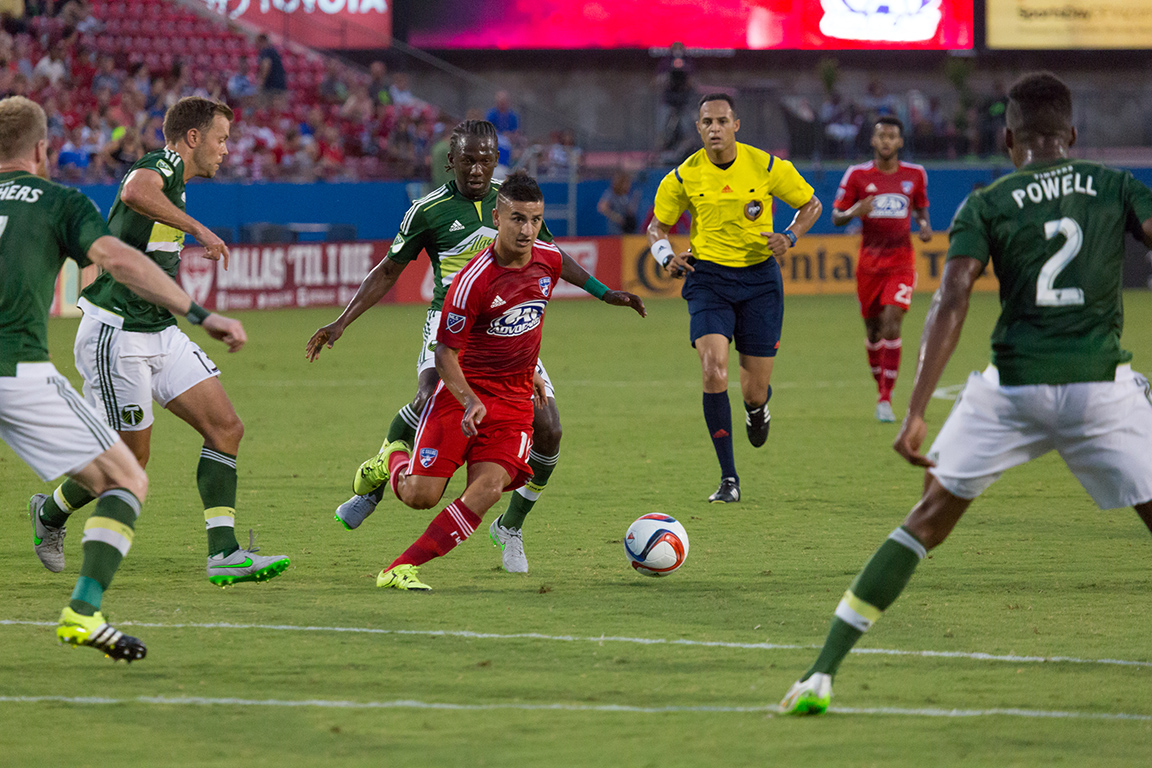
(1102, 430)
(46, 422)
(124, 371)
(427, 357)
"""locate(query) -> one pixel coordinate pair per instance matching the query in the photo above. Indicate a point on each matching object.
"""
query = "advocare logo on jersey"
(889, 206)
(891, 21)
(518, 319)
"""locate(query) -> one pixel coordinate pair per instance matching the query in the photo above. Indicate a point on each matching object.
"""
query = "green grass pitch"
(1034, 570)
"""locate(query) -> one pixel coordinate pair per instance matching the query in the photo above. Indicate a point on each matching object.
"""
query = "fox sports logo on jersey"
(889, 206)
(518, 319)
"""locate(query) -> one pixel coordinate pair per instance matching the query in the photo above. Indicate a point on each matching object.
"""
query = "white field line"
(692, 382)
(558, 707)
(1009, 658)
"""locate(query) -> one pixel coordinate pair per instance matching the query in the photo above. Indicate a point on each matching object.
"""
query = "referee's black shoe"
(727, 493)
(757, 420)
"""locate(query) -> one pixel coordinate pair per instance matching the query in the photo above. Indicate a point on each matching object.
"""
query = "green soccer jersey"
(1054, 231)
(451, 229)
(115, 304)
(41, 225)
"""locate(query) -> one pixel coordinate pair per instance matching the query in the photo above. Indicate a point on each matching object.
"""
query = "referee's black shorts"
(745, 304)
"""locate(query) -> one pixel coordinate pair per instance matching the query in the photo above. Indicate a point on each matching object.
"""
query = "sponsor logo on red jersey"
(519, 319)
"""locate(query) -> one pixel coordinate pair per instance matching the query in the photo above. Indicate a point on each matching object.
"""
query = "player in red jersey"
(481, 412)
(885, 194)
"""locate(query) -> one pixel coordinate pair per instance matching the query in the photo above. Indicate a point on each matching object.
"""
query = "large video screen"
(1069, 24)
(735, 24)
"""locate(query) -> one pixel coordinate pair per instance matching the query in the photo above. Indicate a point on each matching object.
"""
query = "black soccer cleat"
(727, 493)
(757, 421)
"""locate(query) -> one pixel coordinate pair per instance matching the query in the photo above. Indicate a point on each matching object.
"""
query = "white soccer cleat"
(47, 541)
(511, 542)
(884, 412)
(808, 697)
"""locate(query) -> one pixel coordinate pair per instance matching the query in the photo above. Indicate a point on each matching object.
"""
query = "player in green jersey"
(452, 224)
(130, 351)
(1059, 380)
(42, 418)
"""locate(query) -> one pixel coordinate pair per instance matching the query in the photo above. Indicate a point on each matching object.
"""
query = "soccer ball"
(656, 545)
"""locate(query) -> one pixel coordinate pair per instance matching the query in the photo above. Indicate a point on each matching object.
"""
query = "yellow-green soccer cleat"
(808, 697)
(76, 629)
(402, 577)
(374, 472)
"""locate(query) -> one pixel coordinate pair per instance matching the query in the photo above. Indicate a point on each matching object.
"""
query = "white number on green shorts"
(1046, 294)
(3, 225)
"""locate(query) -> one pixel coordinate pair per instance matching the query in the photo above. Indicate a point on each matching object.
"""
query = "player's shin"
(455, 523)
(216, 480)
(68, 497)
(107, 539)
(526, 496)
(890, 350)
(874, 589)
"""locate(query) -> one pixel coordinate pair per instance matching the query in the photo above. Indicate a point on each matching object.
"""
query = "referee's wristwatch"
(791, 237)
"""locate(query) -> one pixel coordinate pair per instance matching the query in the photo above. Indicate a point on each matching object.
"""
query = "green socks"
(216, 479)
(68, 497)
(403, 426)
(525, 497)
(107, 539)
(874, 589)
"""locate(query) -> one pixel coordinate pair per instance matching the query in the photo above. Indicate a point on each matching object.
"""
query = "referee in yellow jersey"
(732, 279)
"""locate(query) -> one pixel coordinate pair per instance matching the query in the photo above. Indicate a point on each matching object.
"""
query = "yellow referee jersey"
(730, 207)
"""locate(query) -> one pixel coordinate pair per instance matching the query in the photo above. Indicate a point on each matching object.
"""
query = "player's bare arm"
(942, 329)
(572, 272)
(679, 265)
(921, 216)
(140, 274)
(373, 288)
(858, 210)
(1146, 228)
(806, 216)
(448, 366)
(143, 192)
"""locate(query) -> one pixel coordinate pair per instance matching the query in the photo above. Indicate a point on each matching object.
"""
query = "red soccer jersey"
(887, 241)
(495, 315)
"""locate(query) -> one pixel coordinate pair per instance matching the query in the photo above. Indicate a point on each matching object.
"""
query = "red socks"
(889, 356)
(874, 360)
(454, 524)
(397, 463)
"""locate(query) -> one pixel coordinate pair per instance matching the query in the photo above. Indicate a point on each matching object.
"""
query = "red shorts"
(505, 437)
(889, 288)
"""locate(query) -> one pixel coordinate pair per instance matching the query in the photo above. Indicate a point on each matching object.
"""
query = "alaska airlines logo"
(519, 319)
(893, 21)
(889, 206)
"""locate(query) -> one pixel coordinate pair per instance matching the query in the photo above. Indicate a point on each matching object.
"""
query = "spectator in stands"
(106, 75)
(401, 93)
(358, 107)
(438, 157)
(152, 135)
(22, 53)
(124, 150)
(507, 123)
(378, 87)
(332, 88)
(240, 86)
(72, 160)
(992, 120)
(12, 15)
(620, 204)
(331, 155)
(141, 80)
(270, 74)
(675, 121)
(841, 124)
(563, 155)
(52, 66)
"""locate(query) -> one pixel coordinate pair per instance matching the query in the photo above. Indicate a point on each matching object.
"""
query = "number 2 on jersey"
(1046, 294)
